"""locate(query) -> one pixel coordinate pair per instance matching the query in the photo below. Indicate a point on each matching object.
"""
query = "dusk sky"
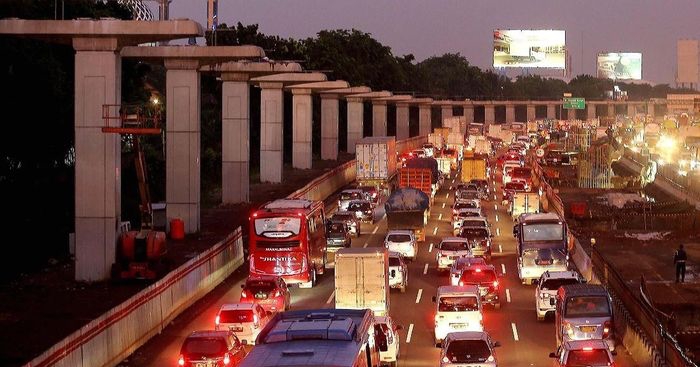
(434, 27)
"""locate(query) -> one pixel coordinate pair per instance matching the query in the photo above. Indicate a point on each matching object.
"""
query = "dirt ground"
(37, 310)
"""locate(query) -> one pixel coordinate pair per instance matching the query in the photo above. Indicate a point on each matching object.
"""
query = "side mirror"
(496, 344)
(552, 355)
(434, 299)
(552, 301)
(242, 286)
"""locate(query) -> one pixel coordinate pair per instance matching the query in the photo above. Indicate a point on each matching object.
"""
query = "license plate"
(483, 291)
(236, 329)
(587, 329)
(261, 296)
(202, 364)
(458, 326)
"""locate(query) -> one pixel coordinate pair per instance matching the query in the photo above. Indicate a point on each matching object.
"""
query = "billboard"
(619, 65)
(529, 49)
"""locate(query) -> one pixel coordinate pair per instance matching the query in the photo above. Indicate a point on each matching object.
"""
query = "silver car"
(468, 349)
(584, 312)
(398, 272)
(589, 353)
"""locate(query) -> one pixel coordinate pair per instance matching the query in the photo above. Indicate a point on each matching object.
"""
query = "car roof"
(452, 239)
(258, 277)
(540, 216)
(452, 289)
(209, 334)
(237, 306)
(583, 289)
(580, 344)
(358, 191)
(399, 231)
(481, 266)
(468, 335)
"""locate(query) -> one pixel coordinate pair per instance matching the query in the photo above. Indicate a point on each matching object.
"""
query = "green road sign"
(574, 103)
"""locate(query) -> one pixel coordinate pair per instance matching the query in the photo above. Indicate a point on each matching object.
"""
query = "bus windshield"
(277, 227)
(543, 232)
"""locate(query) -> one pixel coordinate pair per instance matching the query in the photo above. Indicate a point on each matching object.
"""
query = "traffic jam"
(440, 256)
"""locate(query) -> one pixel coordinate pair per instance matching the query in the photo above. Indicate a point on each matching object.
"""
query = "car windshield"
(468, 351)
(543, 232)
(521, 172)
(468, 214)
(349, 195)
(235, 316)
(587, 306)
(394, 261)
(398, 238)
(473, 222)
(478, 276)
(448, 152)
(584, 358)
(515, 186)
(458, 304)
(260, 286)
(554, 284)
(204, 347)
(469, 194)
(337, 229)
(473, 233)
(278, 227)
(454, 246)
(358, 206)
(465, 205)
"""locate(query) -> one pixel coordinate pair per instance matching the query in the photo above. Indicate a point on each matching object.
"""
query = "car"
(269, 291)
(337, 236)
(510, 188)
(363, 210)
(472, 222)
(354, 225)
(480, 239)
(403, 242)
(588, 353)
(429, 149)
(211, 348)
(466, 204)
(418, 153)
(546, 291)
(482, 185)
(398, 271)
(348, 195)
(462, 214)
(486, 278)
(372, 194)
(468, 194)
(449, 250)
(386, 337)
(584, 312)
(457, 309)
(468, 348)
(244, 319)
(462, 263)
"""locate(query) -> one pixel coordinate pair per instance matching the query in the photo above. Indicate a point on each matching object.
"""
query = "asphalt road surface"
(524, 340)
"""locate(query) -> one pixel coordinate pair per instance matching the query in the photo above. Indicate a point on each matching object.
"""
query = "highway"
(524, 340)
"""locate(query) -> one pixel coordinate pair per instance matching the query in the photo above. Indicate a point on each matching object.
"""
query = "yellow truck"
(474, 167)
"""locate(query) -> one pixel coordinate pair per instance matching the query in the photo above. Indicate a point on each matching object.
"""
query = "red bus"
(288, 239)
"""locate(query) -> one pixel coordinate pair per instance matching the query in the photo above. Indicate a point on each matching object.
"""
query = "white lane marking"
(435, 231)
(330, 298)
(440, 216)
(498, 231)
(430, 249)
(495, 206)
(508, 295)
(420, 293)
(365, 245)
(453, 180)
(425, 269)
(377, 228)
(443, 205)
(447, 196)
(503, 268)
(500, 248)
(496, 217)
(515, 331)
(410, 333)
(494, 196)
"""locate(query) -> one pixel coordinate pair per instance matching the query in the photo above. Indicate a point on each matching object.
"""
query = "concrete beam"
(290, 78)
(348, 91)
(204, 55)
(369, 95)
(319, 86)
(253, 68)
(329, 126)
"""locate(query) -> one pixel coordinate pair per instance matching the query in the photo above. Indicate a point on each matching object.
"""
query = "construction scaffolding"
(594, 167)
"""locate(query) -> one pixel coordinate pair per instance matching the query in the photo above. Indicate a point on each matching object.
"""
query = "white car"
(472, 222)
(468, 348)
(449, 250)
(459, 214)
(398, 272)
(457, 309)
(346, 196)
(546, 292)
(403, 242)
(386, 337)
(244, 319)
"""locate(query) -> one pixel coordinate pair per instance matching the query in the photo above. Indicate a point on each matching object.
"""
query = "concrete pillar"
(402, 130)
(551, 111)
(424, 120)
(611, 110)
(302, 127)
(510, 113)
(469, 113)
(446, 111)
(530, 110)
(235, 138)
(379, 118)
(97, 158)
(355, 122)
(590, 111)
(182, 137)
(631, 109)
(650, 109)
(571, 114)
(489, 114)
(329, 126)
(271, 132)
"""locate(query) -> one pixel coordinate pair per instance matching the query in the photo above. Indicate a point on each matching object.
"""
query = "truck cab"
(457, 309)
(541, 245)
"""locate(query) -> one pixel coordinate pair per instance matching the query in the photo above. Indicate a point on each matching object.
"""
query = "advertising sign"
(620, 65)
(529, 48)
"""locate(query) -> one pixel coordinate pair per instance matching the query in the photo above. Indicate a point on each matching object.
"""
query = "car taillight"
(244, 294)
(461, 284)
(606, 329)
(216, 321)
(445, 359)
(227, 359)
(181, 361)
(491, 359)
(495, 283)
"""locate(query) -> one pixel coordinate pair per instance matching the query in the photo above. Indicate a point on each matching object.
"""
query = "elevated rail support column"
(329, 126)
(590, 111)
(271, 130)
(97, 158)
(530, 110)
(235, 138)
(355, 122)
(402, 130)
(510, 113)
(469, 113)
(611, 110)
(571, 114)
(631, 109)
(551, 111)
(446, 110)
(301, 128)
(424, 119)
(182, 148)
(650, 109)
(489, 114)
(379, 122)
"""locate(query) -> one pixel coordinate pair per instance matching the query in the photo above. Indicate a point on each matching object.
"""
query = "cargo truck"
(376, 162)
(456, 141)
(474, 167)
(524, 203)
(409, 209)
(422, 174)
(361, 279)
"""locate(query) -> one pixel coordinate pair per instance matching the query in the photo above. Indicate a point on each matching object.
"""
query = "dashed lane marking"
(377, 228)
(440, 216)
(498, 231)
(447, 196)
(365, 245)
(515, 331)
(453, 180)
(503, 268)
(495, 206)
(410, 333)
(500, 248)
(508, 295)
(494, 196)
(443, 205)
(330, 299)
(420, 293)
(435, 231)
(425, 269)
(496, 217)
(430, 248)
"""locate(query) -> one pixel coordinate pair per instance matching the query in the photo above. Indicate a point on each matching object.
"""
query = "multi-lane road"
(524, 340)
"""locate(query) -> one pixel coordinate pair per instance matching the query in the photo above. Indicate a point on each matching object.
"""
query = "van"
(457, 308)
(584, 312)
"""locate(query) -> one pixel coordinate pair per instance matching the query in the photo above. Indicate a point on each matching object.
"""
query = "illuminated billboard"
(620, 65)
(529, 49)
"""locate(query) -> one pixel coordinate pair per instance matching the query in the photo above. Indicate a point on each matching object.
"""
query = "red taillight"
(477, 270)
(227, 359)
(606, 329)
(244, 294)
(587, 349)
(445, 359)
(216, 321)
(181, 361)
(495, 283)
(300, 214)
(255, 215)
(461, 284)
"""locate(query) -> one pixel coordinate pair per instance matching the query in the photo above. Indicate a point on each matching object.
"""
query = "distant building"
(687, 70)
(680, 103)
